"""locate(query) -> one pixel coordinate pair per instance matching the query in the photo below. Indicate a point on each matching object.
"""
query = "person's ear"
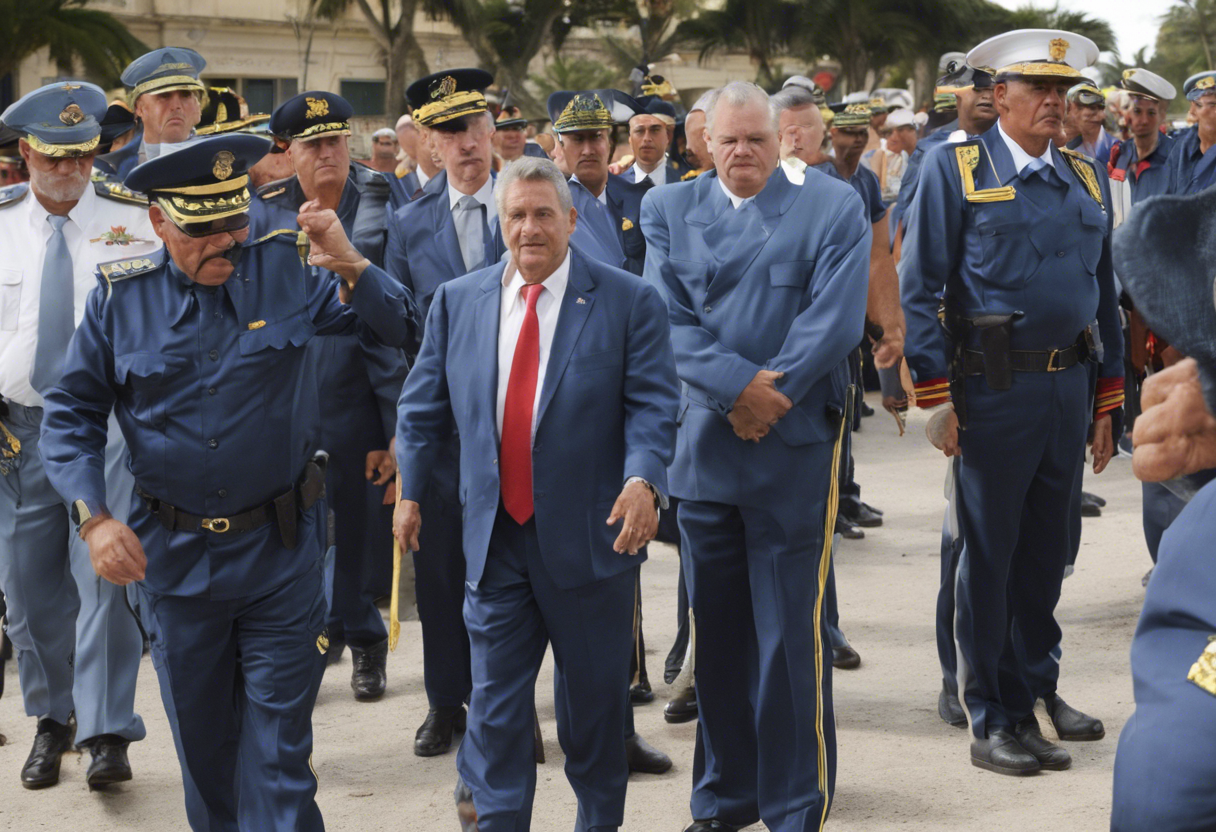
(156, 216)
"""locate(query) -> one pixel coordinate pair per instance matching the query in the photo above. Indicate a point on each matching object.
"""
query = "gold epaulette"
(108, 188)
(968, 157)
(1083, 168)
(13, 194)
(692, 174)
(123, 269)
(1203, 671)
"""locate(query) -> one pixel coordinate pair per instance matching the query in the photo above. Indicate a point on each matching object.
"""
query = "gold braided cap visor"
(230, 126)
(317, 131)
(451, 107)
(1036, 69)
(203, 203)
(60, 151)
(168, 84)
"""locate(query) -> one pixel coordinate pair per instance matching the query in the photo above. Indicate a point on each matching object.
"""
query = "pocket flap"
(292, 331)
(10, 277)
(146, 367)
(791, 272)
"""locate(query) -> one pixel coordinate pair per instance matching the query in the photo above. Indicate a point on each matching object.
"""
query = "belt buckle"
(219, 525)
(1053, 362)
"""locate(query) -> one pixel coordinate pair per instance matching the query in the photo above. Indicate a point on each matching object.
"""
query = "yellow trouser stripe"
(825, 563)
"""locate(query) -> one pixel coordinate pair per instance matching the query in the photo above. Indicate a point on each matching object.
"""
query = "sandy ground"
(900, 767)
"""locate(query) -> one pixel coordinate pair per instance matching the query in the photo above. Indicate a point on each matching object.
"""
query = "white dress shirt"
(484, 195)
(658, 176)
(511, 320)
(422, 177)
(736, 201)
(1020, 157)
(794, 170)
(95, 233)
(603, 197)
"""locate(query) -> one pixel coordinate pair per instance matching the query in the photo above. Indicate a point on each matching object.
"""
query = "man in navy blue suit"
(766, 287)
(557, 372)
(448, 230)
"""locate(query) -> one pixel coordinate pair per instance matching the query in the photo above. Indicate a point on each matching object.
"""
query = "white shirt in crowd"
(658, 176)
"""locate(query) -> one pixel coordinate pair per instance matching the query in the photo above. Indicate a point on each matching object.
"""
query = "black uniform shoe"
(51, 741)
(434, 736)
(711, 825)
(682, 707)
(334, 654)
(847, 530)
(1049, 755)
(866, 409)
(949, 709)
(1071, 724)
(845, 658)
(641, 694)
(110, 764)
(644, 758)
(466, 812)
(865, 516)
(1091, 506)
(1003, 754)
(369, 675)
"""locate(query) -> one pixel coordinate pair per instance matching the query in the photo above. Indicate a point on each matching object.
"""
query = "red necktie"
(516, 450)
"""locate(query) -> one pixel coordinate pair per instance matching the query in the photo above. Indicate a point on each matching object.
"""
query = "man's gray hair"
(532, 169)
(739, 94)
(703, 102)
(790, 98)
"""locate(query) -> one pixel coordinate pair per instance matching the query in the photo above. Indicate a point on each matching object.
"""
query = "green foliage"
(1185, 43)
(574, 74)
(75, 35)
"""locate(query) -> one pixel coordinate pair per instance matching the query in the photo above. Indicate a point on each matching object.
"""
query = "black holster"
(995, 334)
(957, 330)
(309, 488)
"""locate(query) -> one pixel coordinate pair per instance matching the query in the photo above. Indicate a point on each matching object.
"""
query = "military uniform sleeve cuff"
(932, 393)
(1109, 396)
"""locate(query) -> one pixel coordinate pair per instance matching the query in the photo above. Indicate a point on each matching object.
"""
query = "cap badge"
(1058, 48)
(317, 107)
(71, 115)
(1205, 83)
(443, 88)
(221, 165)
(68, 87)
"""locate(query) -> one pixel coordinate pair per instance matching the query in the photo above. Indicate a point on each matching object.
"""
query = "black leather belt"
(174, 519)
(1029, 361)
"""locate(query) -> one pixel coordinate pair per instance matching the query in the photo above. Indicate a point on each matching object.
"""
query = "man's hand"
(1104, 443)
(115, 551)
(942, 431)
(1175, 434)
(889, 349)
(747, 426)
(636, 507)
(330, 247)
(407, 522)
(383, 462)
(763, 399)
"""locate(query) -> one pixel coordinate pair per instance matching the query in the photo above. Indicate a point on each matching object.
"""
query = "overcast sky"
(1134, 21)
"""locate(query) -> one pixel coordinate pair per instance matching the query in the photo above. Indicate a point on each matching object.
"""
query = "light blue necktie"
(470, 230)
(56, 310)
(1037, 165)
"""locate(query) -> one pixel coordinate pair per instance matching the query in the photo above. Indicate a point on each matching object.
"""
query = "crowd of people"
(239, 367)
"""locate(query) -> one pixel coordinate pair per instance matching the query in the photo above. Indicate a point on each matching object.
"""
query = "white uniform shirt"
(97, 231)
(511, 320)
(658, 176)
(1020, 157)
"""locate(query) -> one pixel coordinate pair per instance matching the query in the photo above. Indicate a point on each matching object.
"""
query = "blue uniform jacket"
(363, 212)
(778, 285)
(606, 413)
(911, 177)
(1005, 257)
(217, 402)
(122, 161)
(423, 250)
(612, 234)
(1191, 170)
(1153, 180)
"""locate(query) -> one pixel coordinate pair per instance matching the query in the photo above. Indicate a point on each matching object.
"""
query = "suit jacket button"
(709, 309)
(496, 462)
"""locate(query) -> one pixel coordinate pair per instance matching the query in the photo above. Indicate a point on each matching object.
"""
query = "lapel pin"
(580, 300)
(626, 224)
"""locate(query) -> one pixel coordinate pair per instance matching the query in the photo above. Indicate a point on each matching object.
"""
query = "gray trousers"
(78, 644)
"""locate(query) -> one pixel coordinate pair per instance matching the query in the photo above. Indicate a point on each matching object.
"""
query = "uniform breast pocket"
(148, 375)
(792, 273)
(1093, 223)
(10, 299)
(276, 339)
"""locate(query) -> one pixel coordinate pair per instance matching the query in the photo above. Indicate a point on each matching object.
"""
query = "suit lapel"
(741, 239)
(487, 313)
(576, 306)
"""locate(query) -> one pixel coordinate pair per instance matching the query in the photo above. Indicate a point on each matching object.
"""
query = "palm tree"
(1097, 30)
(762, 28)
(94, 40)
(574, 74)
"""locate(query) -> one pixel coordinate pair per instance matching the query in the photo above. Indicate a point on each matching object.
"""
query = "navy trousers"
(512, 616)
(1018, 488)
(1161, 508)
(78, 644)
(766, 737)
(239, 679)
(351, 428)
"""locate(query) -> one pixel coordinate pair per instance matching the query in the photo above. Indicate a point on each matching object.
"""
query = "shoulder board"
(692, 174)
(109, 187)
(117, 270)
(294, 236)
(1083, 169)
(274, 188)
(271, 194)
(967, 155)
(13, 194)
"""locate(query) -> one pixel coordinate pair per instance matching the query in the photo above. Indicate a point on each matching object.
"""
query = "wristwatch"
(658, 501)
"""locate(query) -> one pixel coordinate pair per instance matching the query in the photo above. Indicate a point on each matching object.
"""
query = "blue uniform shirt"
(1045, 253)
(865, 182)
(1191, 170)
(1126, 166)
(911, 177)
(216, 400)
